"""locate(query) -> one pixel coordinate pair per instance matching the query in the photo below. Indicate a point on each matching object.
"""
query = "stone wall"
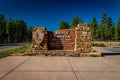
(76, 40)
(83, 38)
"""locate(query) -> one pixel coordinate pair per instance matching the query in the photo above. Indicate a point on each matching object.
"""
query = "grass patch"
(99, 44)
(15, 50)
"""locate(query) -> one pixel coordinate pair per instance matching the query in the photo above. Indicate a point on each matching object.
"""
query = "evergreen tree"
(102, 33)
(30, 29)
(104, 19)
(14, 30)
(81, 21)
(21, 31)
(112, 32)
(93, 27)
(98, 33)
(75, 22)
(103, 26)
(106, 24)
(109, 24)
(117, 34)
(64, 25)
(10, 30)
(2, 28)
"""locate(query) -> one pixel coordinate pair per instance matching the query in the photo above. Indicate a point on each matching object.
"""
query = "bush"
(99, 44)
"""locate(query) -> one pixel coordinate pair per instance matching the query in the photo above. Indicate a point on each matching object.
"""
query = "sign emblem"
(38, 36)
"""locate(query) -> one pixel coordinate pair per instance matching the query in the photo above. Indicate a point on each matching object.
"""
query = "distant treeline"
(12, 31)
(106, 30)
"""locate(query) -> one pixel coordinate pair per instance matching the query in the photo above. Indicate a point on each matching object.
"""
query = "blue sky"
(49, 13)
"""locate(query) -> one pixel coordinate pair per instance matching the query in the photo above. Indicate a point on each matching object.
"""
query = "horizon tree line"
(14, 31)
(105, 30)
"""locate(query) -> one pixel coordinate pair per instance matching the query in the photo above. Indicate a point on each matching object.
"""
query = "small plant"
(93, 55)
(99, 44)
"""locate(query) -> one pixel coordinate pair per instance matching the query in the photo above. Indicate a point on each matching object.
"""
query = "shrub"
(99, 44)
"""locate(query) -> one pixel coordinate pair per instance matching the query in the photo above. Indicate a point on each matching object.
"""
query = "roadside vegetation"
(14, 31)
(98, 44)
(104, 30)
(19, 50)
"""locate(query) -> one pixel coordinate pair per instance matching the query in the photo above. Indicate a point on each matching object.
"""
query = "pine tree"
(106, 24)
(109, 24)
(75, 22)
(103, 26)
(98, 33)
(93, 27)
(112, 32)
(10, 30)
(81, 21)
(2, 28)
(64, 25)
(30, 29)
(21, 30)
(117, 35)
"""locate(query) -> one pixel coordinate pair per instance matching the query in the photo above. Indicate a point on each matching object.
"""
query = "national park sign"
(78, 39)
(61, 39)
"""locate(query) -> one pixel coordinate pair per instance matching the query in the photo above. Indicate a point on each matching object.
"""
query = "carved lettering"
(62, 39)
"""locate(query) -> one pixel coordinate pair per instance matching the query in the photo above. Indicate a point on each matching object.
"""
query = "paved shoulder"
(10, 63)
(60, 68)
(108, 50)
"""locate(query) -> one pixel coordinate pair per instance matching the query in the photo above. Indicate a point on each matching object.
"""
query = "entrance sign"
(77, 39)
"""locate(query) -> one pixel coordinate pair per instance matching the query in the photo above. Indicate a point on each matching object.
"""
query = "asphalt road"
(107, 51)
(4, 47)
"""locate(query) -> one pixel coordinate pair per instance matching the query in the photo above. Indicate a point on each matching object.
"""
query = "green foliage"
(23, 49)
(81, 21)
(17, 30)
(29, 33)
(21, 29)
(10, 30)
(112, 32)
(16, 50)
(64, 25)
(76, 21)
(14, 31)
(105, 31)
(99, 44)
(2, 28)
(117, 34)
(93, 27)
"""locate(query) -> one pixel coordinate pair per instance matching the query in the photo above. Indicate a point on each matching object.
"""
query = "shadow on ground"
(109, 54)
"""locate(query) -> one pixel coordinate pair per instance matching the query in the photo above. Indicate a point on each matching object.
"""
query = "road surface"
(4, 47)
(108, 50)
